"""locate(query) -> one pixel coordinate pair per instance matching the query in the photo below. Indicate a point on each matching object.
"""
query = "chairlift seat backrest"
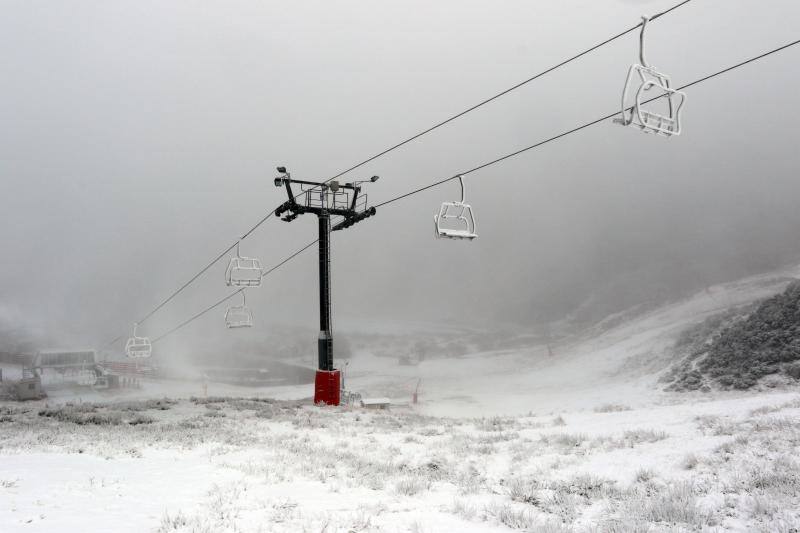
(455, 221)
(238, 316)
(638, 108)
(138, 347)
(244, 272)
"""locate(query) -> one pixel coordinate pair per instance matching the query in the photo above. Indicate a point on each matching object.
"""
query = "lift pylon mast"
(325, 199)
(325, 339)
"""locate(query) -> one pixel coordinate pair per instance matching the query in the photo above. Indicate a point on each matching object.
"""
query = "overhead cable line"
(200, 273)
(182, 287)
(497, 160)
(198, 315)
(298, 252)
(581, 127)
(394, 147)
(506, 91)
(231, 295)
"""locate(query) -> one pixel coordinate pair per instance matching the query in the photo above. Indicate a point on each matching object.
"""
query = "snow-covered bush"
(735, 349)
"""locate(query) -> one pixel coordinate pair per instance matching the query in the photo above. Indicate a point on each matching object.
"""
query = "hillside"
(519, 438)
(737, 348)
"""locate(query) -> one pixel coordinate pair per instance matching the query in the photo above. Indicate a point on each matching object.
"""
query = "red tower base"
(327, 387)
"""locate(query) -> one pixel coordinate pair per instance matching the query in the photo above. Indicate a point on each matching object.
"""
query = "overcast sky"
(139, 138)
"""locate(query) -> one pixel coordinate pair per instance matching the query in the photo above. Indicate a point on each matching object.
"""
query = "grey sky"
(139, 138)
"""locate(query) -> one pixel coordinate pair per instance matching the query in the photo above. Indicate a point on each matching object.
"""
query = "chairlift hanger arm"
(356, 191)
(288, 182)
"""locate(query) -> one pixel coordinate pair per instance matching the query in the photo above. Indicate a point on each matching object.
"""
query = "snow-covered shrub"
(82, 414)
(742, 350)
(495, 423)
(411, 485)
(690, 461)
(265, 412)
(430, 432)
(513, 517)
(563, 504)
(464, 509)
(565, 440)
(586, 486)
(524, 490)
(774, 423)
(628, 439)
(140, 419)
(251, 404)
(171, 523)
(162, 404)
(644, 475)
(637, 436)
(676, 505)
(468, 480)
(792, 370)
(715, 425)
(208, 399)
(783, 475)
(611, 408)
(494, 438)
(761, 507)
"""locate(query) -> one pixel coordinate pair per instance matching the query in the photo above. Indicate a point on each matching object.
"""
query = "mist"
(140, 139)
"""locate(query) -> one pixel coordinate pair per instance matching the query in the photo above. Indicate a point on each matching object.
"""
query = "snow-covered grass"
(261, 465)
(584, 440)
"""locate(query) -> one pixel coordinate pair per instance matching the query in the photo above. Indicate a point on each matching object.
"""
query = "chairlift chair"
(138, 347)
(634, 110)
(239, 316)
(455, 219)
(243, 271)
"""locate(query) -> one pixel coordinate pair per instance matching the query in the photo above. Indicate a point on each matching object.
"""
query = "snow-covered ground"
(244, 465)
(583, 440)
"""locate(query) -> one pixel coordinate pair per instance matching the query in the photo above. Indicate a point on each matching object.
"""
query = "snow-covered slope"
(597, 447)
(617, 365)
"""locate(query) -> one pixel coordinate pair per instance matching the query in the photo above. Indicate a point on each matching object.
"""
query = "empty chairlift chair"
(243, 271)
(239, 316)
(652, 112)
(455, 219)
(138, 347)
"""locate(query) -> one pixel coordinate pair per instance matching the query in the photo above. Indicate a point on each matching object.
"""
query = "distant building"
(376, 403)
(29, 388)
(67, 367)
(65, 358)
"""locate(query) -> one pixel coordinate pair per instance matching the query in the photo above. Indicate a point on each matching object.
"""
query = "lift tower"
(325, 199)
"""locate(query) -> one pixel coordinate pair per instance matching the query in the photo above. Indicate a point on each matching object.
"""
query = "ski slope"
(618, 365)
(583, 440)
